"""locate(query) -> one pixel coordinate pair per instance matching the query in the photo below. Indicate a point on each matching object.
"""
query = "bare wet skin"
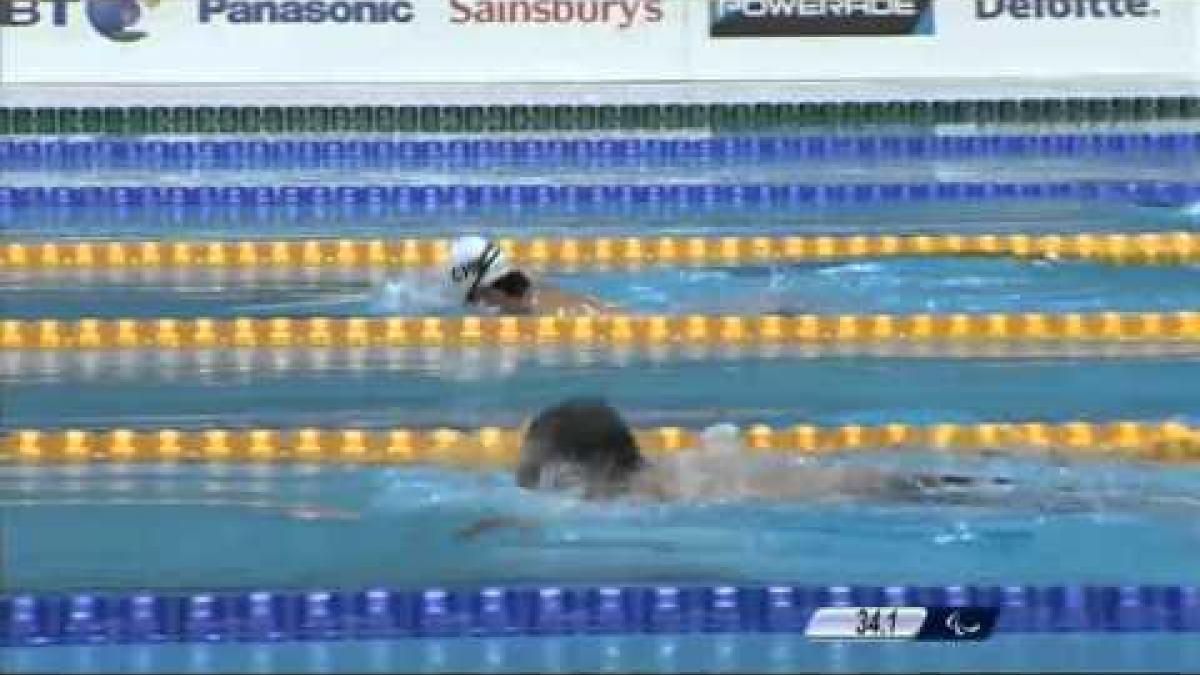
(544, 299)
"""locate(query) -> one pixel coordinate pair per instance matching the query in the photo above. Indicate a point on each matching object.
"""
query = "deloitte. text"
(1064, 9)
(818, 8)
(622, 13)
(307, 11)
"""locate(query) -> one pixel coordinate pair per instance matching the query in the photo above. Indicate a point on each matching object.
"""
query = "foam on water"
(413, 293)
(325, 304)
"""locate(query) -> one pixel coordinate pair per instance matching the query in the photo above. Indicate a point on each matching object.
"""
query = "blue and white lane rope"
(43, 154)
(710, 195)
(29, 619)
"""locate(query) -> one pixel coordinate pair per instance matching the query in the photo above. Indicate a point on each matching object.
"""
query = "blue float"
(263, 616)
(227, 154)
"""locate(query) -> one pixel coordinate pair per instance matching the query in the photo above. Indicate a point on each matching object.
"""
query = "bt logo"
(114, 19)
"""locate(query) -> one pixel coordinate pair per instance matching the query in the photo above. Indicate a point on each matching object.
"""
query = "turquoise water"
(122, 528)
(391, 388)
(897, 285)
(214, 222)
(668, 654)
(182, 528)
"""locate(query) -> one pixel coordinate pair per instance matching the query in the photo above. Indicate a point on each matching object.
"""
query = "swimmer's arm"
(469, 446)
(869, 482)
(600, 306)
(493, 523)
(934, 481)
(955, 488)
(590, 306)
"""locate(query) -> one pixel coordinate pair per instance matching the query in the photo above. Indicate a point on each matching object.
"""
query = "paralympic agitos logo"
(117, 20)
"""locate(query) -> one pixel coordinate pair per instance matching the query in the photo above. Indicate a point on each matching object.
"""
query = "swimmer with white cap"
(481, 273)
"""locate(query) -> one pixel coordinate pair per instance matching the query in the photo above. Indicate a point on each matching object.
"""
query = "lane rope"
(461, 197)
(1068, 111)
(1159, 441)
(268, 615)
(644, 330)
(1177, 247)
(241, 153)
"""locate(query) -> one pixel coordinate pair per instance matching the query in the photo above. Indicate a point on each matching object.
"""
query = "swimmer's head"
(581, 443)
(478, 266)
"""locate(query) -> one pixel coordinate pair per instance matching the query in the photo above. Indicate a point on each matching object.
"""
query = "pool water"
(1067, 521)
(666, 654)
(374, 389)
(893, 285)
(354, 528)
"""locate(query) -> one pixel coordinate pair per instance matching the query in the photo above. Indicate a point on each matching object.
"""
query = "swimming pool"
(183, 530)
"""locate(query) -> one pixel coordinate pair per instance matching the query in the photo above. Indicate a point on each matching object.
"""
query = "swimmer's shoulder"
(561, 303)
(654, 484)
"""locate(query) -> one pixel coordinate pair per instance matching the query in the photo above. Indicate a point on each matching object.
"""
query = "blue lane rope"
(43, 154)
(266, 616)
(458, 196)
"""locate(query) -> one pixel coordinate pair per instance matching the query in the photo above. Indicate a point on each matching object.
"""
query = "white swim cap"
(475, 262)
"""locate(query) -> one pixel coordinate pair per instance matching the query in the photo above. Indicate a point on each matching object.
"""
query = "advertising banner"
(362, 41)
(780, 18)
(97, 42)
(905, 39)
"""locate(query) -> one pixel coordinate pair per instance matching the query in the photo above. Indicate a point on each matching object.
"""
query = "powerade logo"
(790, 18)
(114, 19)
(1064, 9)
(306, 11)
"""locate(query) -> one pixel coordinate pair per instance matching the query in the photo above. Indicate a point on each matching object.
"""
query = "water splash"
(343, 301)
(412, 293)
(851, 269)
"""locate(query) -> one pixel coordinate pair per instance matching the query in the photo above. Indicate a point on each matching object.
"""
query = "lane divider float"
(624, 195)
(620, 330)
(660, 611)
(1162, 247)
(242, 153)
(1164, 441)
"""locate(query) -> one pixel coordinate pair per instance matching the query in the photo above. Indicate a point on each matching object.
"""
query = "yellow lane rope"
(614, 330)
(494, 446)
(1161, 247)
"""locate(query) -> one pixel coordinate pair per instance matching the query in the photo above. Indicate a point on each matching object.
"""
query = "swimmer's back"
(558, 302)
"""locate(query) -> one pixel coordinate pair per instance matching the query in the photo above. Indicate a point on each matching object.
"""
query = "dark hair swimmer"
(583, 444)
(579, 443)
